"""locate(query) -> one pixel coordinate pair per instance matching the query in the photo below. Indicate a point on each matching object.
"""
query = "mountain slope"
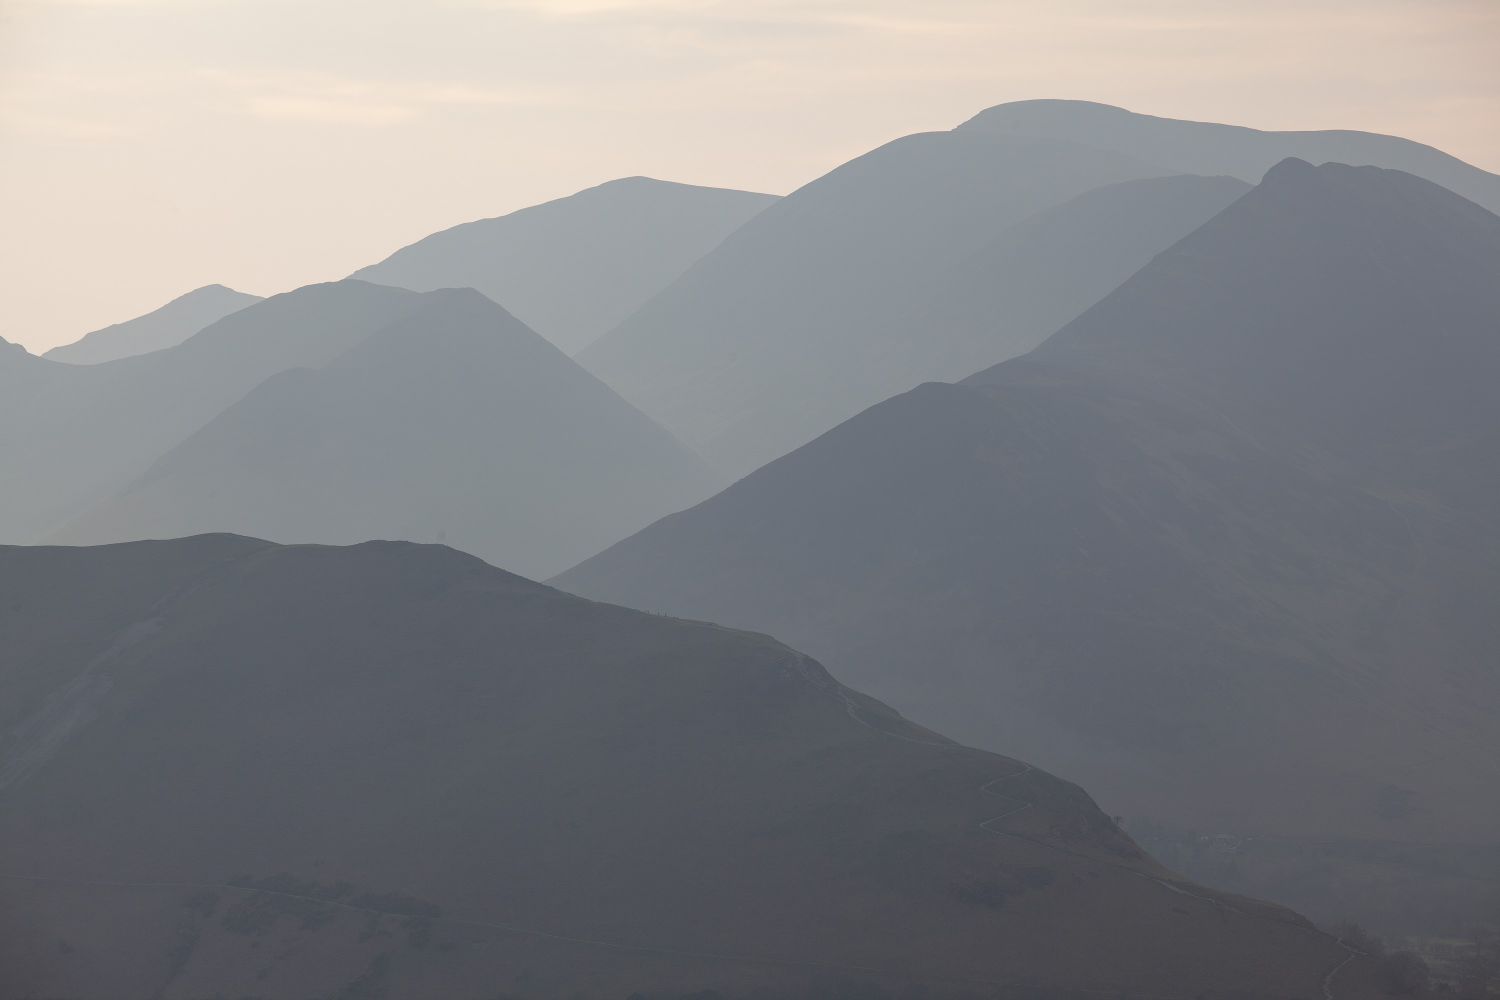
(80, 433)
(13, 358)
(433, 778)
(457, 423)
(1044, 271)
(1222, 548)
(786, 328)
(1343, 312)
(1247, 153)
(622, 241)
(165, 327)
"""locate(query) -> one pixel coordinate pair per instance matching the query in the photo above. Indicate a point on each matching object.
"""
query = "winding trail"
(1334, 972)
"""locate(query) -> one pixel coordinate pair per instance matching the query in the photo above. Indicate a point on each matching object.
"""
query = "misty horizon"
(724, 508)
(259, 119)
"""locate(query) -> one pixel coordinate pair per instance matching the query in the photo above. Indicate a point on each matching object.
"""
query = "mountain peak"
(438, 416)
(166, 326)
(1350, 310)
(10, 350)
(1210, 148)
(623, 240)
(1291, 168)
(1014, 115)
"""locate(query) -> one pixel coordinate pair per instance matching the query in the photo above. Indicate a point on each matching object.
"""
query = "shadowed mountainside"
(1044, 271)
(1221, 549)
(237, 768)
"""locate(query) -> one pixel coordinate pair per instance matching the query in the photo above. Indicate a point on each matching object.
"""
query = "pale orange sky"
(151, 146)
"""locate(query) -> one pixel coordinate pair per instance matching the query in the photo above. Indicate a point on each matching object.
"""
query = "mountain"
(80, 433)
(1042, 272)
(1377, 349)
(165, 327)
(872, 279)
(1247, 153)
(234, 768)
(18, 370)
(12, 355)
(455, 423)
(1222, 548)
(622, 241)
(798, 319)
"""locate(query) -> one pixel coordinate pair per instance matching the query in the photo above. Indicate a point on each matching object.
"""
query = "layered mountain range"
(455, 424)
(573, 268)
(1223, 548)
(934, 256)
(1156, 455)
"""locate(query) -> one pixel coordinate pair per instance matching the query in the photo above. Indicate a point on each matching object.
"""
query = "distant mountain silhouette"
(11, 355)
(789, 326)
(165, 327)
(847, 292)
(1222, 548)
(80, 433)
(1247, 153)
(456, 424)
(573, 268)
(1042, 272)
(1378, 348)
(234, 768)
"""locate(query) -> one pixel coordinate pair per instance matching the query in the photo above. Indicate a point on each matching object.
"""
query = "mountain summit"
(1189, 548)
(797, 320)
(1351, 310)
(455, 423)
(573, 268)
(165, 327)
(1209, 148)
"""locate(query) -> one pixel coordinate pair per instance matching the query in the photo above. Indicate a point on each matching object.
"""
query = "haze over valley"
(1051, 553)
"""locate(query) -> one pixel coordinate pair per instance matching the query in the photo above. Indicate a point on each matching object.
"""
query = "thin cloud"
(336, 100)
(787, 15)
(59, 126)
(316, 109)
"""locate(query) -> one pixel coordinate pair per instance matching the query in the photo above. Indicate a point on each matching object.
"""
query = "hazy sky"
(151, 146)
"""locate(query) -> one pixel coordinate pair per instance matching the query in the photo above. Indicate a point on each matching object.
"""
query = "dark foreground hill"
(165, 327)
(233, 768)
(1224, 548)
(573, 268)
(455, 424)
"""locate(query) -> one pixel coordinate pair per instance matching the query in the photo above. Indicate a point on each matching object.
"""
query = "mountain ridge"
(166, 326)
(415, 761)
(1203, 147)
(1188, 548)
(456, 422)
(623, 239)
(738, 355)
